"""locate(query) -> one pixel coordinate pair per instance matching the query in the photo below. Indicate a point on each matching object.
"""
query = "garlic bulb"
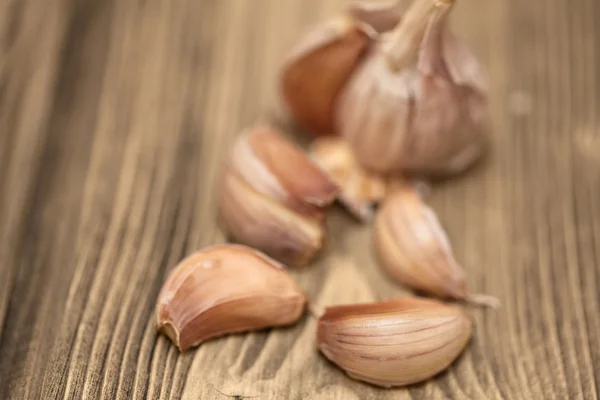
(226, 289)
(273, 197)
(317, 69)
(418, 101)
(393, 343)
(361, 190)
(414, 250)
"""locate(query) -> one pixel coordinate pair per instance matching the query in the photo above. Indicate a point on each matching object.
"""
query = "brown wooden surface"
(114, 117)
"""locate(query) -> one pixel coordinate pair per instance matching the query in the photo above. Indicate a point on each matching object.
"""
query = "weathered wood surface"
(114, 117)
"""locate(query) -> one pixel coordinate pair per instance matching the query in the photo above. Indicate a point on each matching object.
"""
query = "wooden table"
(114, 118)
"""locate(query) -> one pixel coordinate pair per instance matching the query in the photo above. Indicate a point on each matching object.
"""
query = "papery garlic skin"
(414, 250)
(273, 197)
(226, 289)
(393, 343)
(418, 101)
(361, 190)
(381, 16)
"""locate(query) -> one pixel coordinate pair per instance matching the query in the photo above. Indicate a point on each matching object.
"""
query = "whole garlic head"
(418, 101)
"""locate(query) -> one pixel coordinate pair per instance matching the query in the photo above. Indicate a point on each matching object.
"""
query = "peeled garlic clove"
(273, 197)
(319, 66)
(226, 289)
(413, 248)
(393, 343)
(361, 190)
(418, 101)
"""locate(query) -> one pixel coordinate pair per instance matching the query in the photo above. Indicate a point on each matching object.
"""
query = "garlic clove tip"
(483, 300)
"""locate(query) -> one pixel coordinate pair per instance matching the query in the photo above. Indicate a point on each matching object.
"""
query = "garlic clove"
(296, 173)
(417, 103)
(273, 197)
(361, 190)
(257, 221)
(226, 289)
(414, 250)
(393, 343)
(278, 169)
(378, 137)
(432, 119)
(317, 69)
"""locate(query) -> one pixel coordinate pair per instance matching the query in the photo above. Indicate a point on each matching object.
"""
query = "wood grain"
(114, 118)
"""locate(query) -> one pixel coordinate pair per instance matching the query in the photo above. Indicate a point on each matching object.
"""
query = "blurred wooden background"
(114, 117)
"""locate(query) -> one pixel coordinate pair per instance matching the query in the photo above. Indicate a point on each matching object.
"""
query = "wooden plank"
(115, 117)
